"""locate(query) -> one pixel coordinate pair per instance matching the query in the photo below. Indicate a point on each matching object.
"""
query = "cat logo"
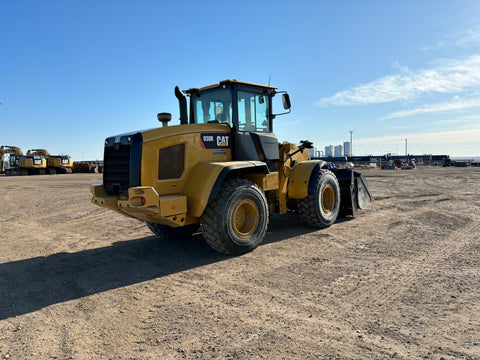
(215, 140)
(222, 141)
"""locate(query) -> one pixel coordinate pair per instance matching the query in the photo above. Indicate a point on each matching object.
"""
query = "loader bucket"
(354, 192)
(364, 196)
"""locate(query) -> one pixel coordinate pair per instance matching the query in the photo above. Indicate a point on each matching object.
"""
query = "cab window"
(252, 112)
(213, 107)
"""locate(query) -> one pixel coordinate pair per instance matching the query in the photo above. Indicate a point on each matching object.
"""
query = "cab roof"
(226, 83)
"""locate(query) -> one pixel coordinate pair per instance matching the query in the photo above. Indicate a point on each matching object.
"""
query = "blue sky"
(74, 72)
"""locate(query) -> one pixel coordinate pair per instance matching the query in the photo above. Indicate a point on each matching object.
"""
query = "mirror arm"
(287, 112)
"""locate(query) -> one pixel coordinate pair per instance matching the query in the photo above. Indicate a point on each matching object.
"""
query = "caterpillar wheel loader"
(224, 170)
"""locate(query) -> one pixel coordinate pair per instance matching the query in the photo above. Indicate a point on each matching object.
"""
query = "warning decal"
(215, 140)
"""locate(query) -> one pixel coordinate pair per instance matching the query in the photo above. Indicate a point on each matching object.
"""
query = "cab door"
(254, 139)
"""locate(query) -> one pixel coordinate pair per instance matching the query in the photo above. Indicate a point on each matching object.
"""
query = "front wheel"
(235, 222)
(321, 208)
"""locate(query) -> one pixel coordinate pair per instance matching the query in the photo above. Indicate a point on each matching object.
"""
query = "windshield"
(213, 106)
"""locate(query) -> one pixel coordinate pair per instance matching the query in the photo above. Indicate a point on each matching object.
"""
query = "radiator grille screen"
(171, 162)
(116, 170)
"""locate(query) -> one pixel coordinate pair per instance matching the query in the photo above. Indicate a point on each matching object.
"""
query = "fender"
(302, 178)
(206, 178)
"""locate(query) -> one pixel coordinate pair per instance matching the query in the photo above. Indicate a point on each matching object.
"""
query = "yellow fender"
(302, 178)
(206, 178)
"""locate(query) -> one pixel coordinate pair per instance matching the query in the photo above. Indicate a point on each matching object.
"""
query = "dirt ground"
(402, 280)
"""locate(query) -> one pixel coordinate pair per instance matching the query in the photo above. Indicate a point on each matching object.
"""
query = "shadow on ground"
(31, 284)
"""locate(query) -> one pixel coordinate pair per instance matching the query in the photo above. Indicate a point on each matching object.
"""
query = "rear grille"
(116, 169)
(121, 160)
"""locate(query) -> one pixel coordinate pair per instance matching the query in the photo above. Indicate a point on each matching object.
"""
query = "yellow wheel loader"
(223, 169)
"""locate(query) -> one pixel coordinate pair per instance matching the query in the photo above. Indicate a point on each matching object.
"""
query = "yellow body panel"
(266, 182)
(101, 198)
(57, 162)
(169, 210)
(299, 178)
(29, 163)
(154, 140)
(201, 181)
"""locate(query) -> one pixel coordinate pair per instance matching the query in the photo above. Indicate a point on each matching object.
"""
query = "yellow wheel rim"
(245, 218)
(328, 198)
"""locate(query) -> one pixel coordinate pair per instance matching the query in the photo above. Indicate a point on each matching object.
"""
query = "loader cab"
(247, 109)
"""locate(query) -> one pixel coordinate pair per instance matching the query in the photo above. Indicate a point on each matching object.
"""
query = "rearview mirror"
(286, 101)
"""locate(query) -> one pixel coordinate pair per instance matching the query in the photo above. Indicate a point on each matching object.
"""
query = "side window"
(252, 112)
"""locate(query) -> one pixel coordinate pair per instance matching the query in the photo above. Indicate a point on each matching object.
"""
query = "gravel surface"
(399, 281)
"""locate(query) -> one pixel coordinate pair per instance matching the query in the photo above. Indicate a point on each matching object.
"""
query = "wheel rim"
(328, 198)
(245, 218)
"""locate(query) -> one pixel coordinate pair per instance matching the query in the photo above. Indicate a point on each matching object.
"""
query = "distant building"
(338, 150)
(329, 150)
(347, 149)
(316, 152)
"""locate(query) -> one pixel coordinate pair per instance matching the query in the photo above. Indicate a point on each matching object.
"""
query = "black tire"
(235, 222)
(321, 208)
(172, 233)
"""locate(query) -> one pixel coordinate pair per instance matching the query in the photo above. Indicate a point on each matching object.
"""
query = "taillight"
(143, 201)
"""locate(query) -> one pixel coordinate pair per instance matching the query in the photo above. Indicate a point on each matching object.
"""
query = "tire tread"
(306, 207)
(210, 220)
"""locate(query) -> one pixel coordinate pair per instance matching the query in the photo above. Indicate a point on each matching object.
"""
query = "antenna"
(269, 77)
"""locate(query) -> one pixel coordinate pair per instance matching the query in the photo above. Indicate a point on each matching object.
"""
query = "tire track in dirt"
(59, 214)
(452, 244)
(403, 275)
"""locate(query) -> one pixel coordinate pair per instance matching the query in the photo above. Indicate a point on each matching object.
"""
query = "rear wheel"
(235, 222)
(171, 233)
(320, 209)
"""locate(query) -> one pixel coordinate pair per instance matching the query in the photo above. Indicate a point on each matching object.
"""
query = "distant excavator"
(56, 164)
(35, 162)
(9, 159)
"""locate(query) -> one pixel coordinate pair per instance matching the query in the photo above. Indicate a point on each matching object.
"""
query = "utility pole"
(351, 143)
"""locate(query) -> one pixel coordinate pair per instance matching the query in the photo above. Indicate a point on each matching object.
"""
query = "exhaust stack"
(182, 102)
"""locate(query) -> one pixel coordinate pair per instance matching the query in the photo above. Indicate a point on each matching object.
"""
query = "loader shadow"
(32, 284)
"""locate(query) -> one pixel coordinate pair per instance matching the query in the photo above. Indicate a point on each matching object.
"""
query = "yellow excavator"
(222, 169)
(59, 164)
(10, 158)
(35, 162)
